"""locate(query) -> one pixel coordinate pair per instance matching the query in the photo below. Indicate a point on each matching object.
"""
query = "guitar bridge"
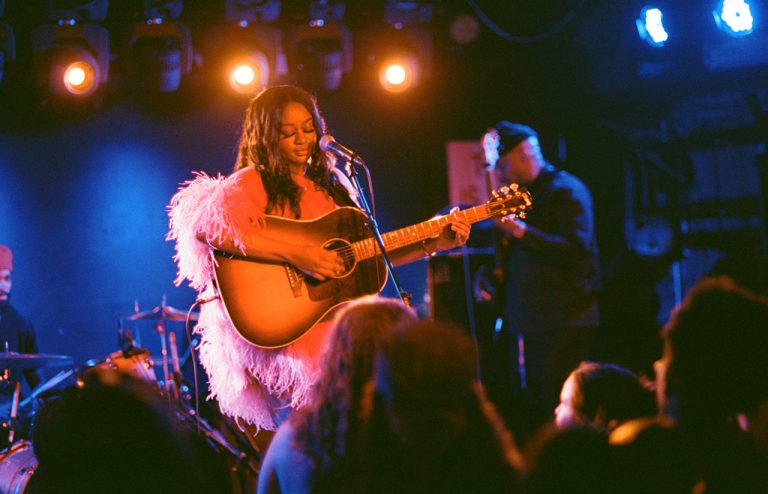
(295, 279)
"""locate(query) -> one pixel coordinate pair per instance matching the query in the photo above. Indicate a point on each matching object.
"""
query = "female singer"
(280, 171)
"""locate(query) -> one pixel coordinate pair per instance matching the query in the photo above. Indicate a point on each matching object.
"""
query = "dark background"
(668, 138)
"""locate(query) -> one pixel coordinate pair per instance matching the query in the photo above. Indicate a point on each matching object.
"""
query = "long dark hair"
(330, 422)
(259, 147)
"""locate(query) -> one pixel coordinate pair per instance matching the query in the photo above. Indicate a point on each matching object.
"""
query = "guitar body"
(273, 304)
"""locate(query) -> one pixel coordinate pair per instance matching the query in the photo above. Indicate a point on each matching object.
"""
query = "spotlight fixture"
(71, 55)
(254, 57)
(402, 58)
(400, 73)
(160, 47)
(404, 50)
(650, 26)
(734, 17)
(71, 58)
(248, 50)
(322, 49)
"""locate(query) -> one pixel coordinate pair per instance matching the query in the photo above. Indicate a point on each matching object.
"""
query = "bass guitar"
(272, 304)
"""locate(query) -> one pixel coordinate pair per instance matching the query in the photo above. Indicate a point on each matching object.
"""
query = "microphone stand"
(351, 171)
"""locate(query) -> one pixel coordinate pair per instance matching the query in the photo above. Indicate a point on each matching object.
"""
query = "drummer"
(15, 331)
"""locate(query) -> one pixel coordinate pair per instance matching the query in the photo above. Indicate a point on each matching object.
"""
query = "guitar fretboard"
(365, 249)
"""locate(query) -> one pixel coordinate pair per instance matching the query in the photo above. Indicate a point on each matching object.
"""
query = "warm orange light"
(250, 74)
(397, 76)
(80, 78)
(243, 74)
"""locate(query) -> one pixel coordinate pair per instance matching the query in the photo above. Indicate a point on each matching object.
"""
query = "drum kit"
(17, 460)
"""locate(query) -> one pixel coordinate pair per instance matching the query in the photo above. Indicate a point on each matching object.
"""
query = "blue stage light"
(734, 17)
(650, 26)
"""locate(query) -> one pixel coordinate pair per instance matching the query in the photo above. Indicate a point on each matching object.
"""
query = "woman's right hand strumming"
(318, 262)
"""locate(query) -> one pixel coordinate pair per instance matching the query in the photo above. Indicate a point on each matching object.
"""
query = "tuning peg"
(505, 190)
(495, 194)
(521, 215)
(514, 187)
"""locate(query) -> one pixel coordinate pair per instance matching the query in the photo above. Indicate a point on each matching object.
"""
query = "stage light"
(397, 76)
(160, 47)
(248, 76)
(80, 78)
(320, 52)
(650, 27)
(401, 58)
(734, 17)
(402, 52)
(71, 59)
(246, 54)
(244, 74)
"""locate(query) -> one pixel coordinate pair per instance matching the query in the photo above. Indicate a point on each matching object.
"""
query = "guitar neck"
(365, 249)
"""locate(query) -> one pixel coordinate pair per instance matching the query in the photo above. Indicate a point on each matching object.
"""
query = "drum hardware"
(171, 383)
(163, 313)
(45, 386)
(17, 465)
(160, 329)
(135, 362)
(215, 439)
(16, 418)
(10, 361)
(177, 381)
(14, 412)
(14, 361)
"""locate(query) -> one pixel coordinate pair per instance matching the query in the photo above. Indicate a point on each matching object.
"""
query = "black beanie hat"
(512, 134)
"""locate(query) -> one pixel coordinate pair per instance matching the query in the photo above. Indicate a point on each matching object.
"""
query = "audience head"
(425, 373)
(573, 460)
(428, 423)
(651, 457)
(715, 361)
(323, 427)
(603, 396)
(117, 433)
(358, 330)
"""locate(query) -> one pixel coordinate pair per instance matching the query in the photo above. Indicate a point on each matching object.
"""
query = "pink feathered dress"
(250, 383)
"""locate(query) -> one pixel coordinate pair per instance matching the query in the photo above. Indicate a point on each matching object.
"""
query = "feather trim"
(216, 207)
(247, 380)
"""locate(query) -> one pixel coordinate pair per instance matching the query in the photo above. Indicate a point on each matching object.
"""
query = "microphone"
(329, 145)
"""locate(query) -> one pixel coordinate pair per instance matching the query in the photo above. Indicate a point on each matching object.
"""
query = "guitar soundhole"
(344, 250)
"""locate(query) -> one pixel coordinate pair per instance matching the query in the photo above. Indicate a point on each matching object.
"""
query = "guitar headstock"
(510, 200)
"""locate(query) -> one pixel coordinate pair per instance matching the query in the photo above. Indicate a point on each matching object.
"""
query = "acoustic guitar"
(272, 304)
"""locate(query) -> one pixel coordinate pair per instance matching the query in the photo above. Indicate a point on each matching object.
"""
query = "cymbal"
(15, 360)
(162, 313)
